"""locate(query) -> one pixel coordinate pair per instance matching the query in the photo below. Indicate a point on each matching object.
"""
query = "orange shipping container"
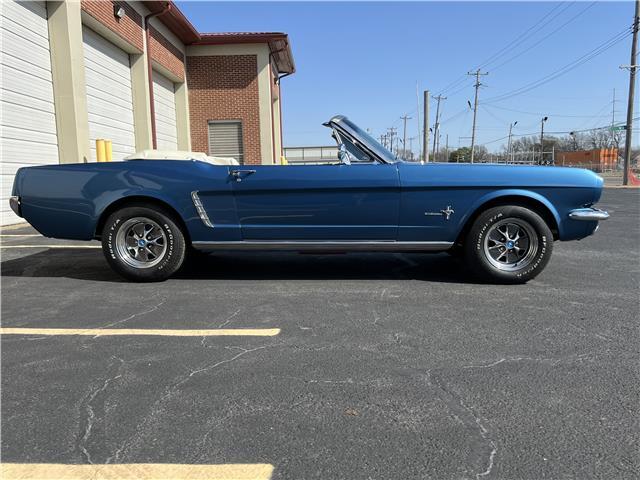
(598, 159)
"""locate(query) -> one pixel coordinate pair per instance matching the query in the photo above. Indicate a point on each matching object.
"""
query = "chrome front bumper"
(588, 214)
(14, 203)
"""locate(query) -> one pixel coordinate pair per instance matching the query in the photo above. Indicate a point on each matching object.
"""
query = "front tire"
(508, 244)
(143, 243)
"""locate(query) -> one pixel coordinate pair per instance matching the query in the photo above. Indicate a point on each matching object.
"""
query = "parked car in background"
(503, 220)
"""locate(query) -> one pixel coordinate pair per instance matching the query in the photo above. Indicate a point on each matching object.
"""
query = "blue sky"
(363, 60)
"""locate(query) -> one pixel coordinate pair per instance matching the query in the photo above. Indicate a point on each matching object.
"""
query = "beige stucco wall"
(69, 92)
(182, 116)
(277, 137)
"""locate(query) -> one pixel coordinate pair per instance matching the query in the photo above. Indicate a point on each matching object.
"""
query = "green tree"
(462, 154)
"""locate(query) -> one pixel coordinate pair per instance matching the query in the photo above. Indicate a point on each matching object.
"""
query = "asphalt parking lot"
(384, 366)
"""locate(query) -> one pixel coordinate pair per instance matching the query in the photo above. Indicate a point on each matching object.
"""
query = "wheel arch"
(145, 200)
(530, 200)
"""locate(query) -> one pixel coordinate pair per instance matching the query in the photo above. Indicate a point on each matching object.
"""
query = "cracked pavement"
(387, 366)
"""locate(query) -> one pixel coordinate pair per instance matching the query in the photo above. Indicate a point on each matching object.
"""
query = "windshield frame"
(361, 139)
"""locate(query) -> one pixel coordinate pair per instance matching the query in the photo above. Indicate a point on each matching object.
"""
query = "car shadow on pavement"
(91, 265)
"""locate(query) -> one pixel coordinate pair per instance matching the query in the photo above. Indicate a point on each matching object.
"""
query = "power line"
(534, 134)
(553, 32)
(525, 35)
(451, 94)
(565, 69)
(522, 36)
(537, 114)
(453, 117)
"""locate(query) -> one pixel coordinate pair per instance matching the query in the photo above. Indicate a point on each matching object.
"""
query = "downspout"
(280, 117)
(273, 124)
(167, 7)
(282, 76)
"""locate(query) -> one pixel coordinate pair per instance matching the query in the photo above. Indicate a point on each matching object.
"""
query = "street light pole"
(404, 133)
(511, 125)
(544, 119)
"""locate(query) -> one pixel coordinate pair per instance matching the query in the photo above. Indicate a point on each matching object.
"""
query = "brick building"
(136, 73)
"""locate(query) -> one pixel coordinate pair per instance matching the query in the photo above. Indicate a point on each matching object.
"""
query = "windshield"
(370, 143)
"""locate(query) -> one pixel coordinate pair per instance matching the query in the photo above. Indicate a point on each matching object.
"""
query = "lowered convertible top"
(181, 155)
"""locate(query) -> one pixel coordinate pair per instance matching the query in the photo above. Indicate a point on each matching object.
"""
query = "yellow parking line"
(99, 332)
(135, 471)
(50, 246)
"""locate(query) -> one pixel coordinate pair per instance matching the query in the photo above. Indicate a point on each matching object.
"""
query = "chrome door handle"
(237, 174)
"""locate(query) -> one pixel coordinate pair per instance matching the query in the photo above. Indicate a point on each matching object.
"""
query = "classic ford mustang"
(149, 214)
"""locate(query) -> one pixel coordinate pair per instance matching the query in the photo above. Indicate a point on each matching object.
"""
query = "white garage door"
(28, 133)
(109, 98)
(164, 101)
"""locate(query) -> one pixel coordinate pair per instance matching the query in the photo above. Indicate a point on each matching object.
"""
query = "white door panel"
(164, 99)
(109, 96)
(28, 134)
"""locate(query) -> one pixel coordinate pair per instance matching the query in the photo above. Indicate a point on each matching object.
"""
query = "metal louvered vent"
(225, 140)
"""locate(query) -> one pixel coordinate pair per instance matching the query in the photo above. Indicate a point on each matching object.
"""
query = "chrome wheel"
(141, 242)
(511, 244)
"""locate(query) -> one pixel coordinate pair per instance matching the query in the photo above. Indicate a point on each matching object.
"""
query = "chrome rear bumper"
(588, 214)
(14, 203)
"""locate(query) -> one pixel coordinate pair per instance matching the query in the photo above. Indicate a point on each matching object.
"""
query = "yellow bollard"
(283, 160)
(101, 153)
(108, 147)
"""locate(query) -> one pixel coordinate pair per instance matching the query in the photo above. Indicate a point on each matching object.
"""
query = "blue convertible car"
(149, 214)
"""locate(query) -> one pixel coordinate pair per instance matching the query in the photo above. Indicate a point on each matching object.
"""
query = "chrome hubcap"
(141, 242)
(511, 244)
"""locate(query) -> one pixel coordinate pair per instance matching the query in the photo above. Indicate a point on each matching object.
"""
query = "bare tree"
(599, 139)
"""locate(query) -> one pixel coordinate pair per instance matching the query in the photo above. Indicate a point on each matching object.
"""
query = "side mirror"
(343, 155)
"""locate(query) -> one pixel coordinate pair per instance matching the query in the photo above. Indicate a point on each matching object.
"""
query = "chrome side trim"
(588, 214)
(325, 245)
(200, 209)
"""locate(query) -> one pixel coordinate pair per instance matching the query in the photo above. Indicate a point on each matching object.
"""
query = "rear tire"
(143, 243)
(508, 244)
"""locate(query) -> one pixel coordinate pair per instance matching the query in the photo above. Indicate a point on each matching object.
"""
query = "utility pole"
(613, 110)
(544, 119)
(632, 84)
(425, 121)
(392, 132)
(476, 74)
(411, 146)
(447, 148)
(436, 126)
(614, 135)
(404, 134)
(511, 125)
